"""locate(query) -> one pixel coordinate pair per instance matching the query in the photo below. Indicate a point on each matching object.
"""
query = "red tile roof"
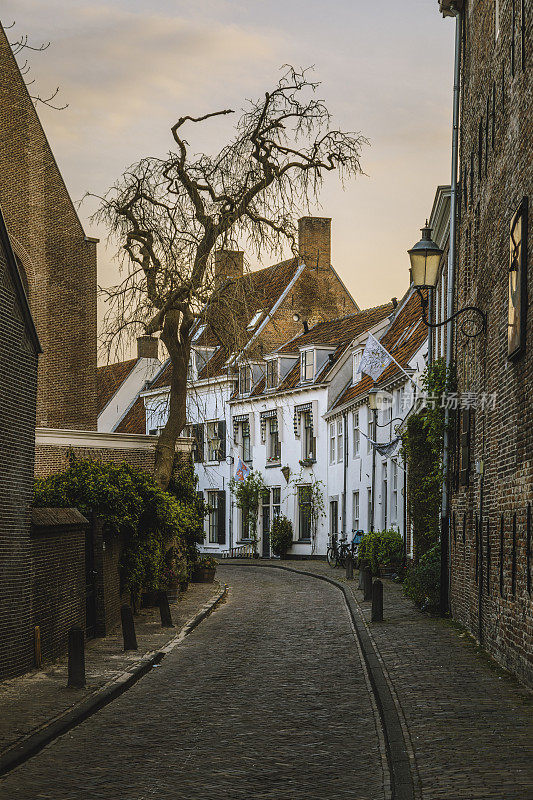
(110, 378)
(135, 419)
(404, 337)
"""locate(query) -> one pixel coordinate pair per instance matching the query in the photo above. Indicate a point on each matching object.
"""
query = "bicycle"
(337, 553)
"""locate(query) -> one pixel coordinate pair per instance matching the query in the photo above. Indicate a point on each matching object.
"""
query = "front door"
(265, 527)
(90, 585)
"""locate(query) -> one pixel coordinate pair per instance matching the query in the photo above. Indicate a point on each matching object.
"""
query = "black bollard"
(367, 584)
(349, 567)
(361, 578)
(128, 628)
(377, 601)
(164, 610)
(76, 658)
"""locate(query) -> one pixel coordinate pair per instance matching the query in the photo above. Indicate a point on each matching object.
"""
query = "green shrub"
(132, 506)
(281, 535)
(422, 581)
(383, 548)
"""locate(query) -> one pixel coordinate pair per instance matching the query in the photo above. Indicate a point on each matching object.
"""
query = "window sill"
(271, 464)
(302, 541)
(211, 463)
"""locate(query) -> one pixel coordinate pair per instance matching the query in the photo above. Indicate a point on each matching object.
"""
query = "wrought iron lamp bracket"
(482, 317)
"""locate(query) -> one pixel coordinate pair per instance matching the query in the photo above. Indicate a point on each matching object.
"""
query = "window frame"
(272, 373)
(356, 505)
(308, 438)
(245, 386)
(273, 441)
(304, 513)
(246, 437)
(356, 361)
(306, 365)
(212, 517)
(356, 434)
(340, 440)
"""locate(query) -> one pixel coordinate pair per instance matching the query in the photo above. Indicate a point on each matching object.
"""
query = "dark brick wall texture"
(58, 261)
(490, 589)
(58, 585)
(18, 379)
(54, 458)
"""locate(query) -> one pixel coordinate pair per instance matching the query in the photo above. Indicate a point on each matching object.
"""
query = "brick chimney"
(147, 347)
(314, 241)
(229, 263)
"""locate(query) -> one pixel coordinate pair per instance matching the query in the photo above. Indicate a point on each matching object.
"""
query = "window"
(191, 369)
(394, 498)
(334, 517)
(198, 442)
(340, 440)
(517, 305)
(276, 502)
(212, 502)
(355, 512)
(246, 442)
(270, 507)
(357, 356)
(307, 365)
(356, 435)
(273, 442)
(371, 430)
(216, 440)
(332, 443)
(272, 374)
(304, 513)
(309, 440)
(244, 380)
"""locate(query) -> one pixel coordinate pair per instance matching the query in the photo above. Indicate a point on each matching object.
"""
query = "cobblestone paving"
(33, 700)
(470, 725)
(266, 699)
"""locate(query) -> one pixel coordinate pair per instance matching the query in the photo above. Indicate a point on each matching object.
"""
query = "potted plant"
(383, 550)
(281, 536)
(204, 570)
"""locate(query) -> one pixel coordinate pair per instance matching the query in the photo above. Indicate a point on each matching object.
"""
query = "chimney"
(314, 241)
(147, 347)
(229, 263)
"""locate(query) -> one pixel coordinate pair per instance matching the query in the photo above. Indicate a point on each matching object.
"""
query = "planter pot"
(203, 575)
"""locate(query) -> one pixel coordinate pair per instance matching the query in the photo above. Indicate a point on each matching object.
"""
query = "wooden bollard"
(349, 567)
(37, 646)
(164, 610)
(367, 584)
(128, 628)
(76, 658)
(377, 601)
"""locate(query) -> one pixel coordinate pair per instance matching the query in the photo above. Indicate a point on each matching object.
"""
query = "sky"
(129, 69)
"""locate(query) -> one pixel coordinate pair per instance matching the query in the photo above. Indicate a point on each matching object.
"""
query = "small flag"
(375, 358)
(242, 471)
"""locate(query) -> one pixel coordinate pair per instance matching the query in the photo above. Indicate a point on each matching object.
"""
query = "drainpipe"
(345, 454)
(373, 504)
(454, 9)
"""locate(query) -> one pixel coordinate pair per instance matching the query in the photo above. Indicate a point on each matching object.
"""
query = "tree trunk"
(176, 339)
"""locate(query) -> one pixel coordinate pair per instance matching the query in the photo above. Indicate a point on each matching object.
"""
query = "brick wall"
(18, 359)
(54, 458)
(496, 169)
(57, 576)
(58, 260)
(109, 598)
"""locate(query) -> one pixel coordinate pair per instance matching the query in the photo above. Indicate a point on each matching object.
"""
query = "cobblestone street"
(267, 698)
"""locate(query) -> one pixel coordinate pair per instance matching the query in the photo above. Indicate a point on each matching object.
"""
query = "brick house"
(56, 259)
(19, 351)
(492, 476)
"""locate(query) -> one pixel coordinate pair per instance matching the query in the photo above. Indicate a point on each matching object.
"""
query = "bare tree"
(169, 214)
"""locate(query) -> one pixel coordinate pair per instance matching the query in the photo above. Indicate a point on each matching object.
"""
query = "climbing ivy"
(422, 444)
(149, 520)
(247, 495)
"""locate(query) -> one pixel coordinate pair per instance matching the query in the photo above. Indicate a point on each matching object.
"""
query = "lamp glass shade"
(425, 261)
(372, 399)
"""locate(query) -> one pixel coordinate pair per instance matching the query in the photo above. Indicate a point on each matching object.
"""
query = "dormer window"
(307, 365)
(357, 356)
(272, 375)
(254, 321)
(245, 380)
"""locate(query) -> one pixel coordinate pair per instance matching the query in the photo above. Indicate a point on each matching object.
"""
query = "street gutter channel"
(401, 778)
(35, 742)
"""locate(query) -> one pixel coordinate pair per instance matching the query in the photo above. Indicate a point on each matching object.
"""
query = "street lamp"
(425, 258)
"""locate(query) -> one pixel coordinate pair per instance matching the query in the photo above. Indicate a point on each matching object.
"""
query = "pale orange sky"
(129, 69)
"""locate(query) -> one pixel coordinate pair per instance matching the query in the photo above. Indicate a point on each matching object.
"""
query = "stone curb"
(401, 778)
(36, 741)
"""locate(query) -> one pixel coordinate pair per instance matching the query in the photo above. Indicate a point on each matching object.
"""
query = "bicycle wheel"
(342, 555)
(331, 557)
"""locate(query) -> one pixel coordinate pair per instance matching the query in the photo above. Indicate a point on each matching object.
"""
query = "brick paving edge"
(399, 753)
(36, 741)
